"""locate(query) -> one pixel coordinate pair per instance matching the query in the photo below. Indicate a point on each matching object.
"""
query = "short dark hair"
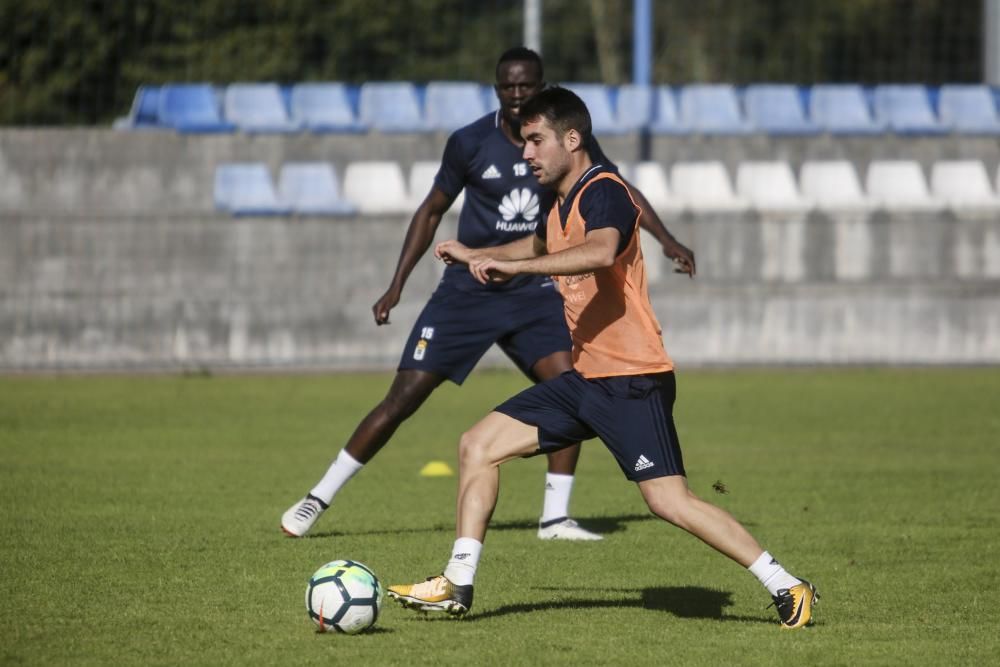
(563, 109)
(521, 54)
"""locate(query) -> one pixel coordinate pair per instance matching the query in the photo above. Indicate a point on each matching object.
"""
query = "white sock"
(342, 469)
(461, 569)
(770, 573)
(557, 491)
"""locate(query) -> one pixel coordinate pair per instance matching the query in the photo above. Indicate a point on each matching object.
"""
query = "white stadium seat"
(963, 184)
(899, 184)
(705, 186)
(651, 180)
(769, 186)
(833, 185)
(422, 175)
(376, 187)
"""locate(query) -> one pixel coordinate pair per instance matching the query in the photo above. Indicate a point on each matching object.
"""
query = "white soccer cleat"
(301, 516)
(565, 528)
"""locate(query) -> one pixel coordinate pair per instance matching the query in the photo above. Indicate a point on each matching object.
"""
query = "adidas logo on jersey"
(643, 463)
(491, 173)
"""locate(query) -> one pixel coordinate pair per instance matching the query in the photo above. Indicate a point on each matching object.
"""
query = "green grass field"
(140, 524)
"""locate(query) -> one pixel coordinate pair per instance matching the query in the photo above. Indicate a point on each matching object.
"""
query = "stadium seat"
(906, 109)
(257, 108)
(597, 97)
(704, 186)
(963, 184)
(376, 187)
(833, 185)
(666, 119)
(626, 170)
(634, 107)
(191, 107)
(324, 107)
(246, 189)
(453, 104)
(145, 111)
(968, 109)
(310, 188)
(712, 109)
(899, 184)
(769, 186)
(422, 175)
(777, 109)
(842, 109)
(490, 98)
(650, 178)
(391, 106)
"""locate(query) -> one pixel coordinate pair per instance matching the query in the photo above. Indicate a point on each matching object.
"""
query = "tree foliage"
(80, 61)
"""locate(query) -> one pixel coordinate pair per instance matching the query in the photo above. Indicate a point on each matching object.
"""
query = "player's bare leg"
(671, 499)
(493, 440)
(409, 390)
(483, 448)
(555, 523)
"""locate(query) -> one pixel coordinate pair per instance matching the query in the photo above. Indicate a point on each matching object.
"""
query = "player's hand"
(681, 255)
(488, 270)
(452, 252)
(382, 307)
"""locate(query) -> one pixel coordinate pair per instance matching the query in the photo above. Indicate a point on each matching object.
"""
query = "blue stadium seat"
(634, 107)
(777, 109)
(191, 107)
(712, 109)
(257, 108)
(391, 106)
(969, 109)
(842, 109)
(324, 107)
(246, 189)
(145, 110)
(597, 97)
(310, 188)
(906, 109)
(666, 119)
(453, 104)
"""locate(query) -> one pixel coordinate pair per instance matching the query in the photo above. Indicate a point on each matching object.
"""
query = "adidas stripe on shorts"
(631, 414)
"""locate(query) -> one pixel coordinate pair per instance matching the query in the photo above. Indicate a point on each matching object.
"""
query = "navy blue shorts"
(457, 327)
(631, 414)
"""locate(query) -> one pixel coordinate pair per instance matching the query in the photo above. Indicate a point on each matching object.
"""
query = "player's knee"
(665, 512)
(474, 450)
(671, 508)
(400, 404)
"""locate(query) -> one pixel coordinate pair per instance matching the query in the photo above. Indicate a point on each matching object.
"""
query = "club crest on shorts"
(420, 349)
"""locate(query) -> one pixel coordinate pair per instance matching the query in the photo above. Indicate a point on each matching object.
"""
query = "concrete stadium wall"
(111, 258)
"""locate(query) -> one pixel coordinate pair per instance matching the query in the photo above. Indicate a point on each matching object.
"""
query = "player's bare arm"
(452, 252)
(597, 252)
(682, 256)
(419, 236)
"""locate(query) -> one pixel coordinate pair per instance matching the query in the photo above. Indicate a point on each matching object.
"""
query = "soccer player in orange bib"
(622, 387)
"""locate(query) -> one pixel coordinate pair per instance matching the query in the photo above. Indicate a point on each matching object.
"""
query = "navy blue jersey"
(603, 204)
(503, 200)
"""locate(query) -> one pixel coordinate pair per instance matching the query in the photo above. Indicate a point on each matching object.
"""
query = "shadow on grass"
(377, 630)
(681, 601)
(605, 525)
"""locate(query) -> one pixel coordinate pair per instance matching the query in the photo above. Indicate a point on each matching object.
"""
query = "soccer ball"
(344, 596)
